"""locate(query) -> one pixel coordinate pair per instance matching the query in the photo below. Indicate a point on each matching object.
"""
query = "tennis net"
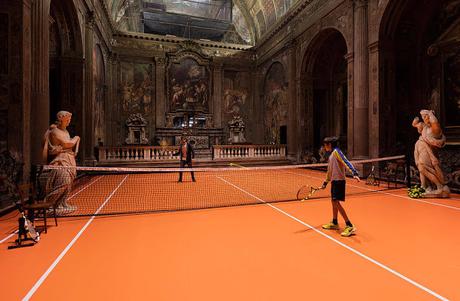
(112, 190)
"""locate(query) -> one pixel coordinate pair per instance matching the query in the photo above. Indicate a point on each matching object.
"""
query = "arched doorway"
(326, 89)
(419, 70)
(65, 64)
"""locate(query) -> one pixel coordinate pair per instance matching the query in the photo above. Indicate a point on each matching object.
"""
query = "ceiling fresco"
(251, 19)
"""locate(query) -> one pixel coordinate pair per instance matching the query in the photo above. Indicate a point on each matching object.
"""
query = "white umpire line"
(72, 196)
(388, 269)
(74, 240)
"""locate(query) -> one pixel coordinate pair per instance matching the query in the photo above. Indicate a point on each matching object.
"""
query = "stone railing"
(251, 151)
(137, 153)
(166, 153)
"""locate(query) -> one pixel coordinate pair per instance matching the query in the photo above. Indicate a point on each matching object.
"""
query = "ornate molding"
(176, 40)
(374, 47)
(160, 61)
(350, 57)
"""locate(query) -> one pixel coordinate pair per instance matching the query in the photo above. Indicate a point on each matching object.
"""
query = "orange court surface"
(404, 249)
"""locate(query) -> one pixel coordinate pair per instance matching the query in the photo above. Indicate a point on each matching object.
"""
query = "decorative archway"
(66, 63)
(325, 89)
(415, 70)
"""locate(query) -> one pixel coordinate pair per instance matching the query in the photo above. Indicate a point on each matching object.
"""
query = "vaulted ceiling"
(251, 18)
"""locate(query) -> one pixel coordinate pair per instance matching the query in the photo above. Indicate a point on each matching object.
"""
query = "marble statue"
(236, 127)
(60, 150)
(426, 155)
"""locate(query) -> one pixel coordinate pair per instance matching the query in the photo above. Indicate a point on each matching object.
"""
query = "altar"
(196, 126)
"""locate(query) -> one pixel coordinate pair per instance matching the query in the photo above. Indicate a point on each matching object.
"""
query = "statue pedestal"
(444, 194)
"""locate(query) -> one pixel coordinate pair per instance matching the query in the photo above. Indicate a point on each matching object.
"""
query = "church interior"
(247, 83)
(279, 73)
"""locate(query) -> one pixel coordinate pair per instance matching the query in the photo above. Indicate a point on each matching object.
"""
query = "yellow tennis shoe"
(348, 231)
(330, 226)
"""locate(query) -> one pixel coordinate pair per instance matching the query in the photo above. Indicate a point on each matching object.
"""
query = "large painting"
(275, 103)
(188, 86)
(136, 88)
(235, 95)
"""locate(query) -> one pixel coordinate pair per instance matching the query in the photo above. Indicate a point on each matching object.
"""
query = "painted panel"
(275, 103)
(189, 86)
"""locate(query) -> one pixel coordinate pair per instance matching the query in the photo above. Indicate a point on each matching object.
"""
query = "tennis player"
(337, 163)
(186, 155)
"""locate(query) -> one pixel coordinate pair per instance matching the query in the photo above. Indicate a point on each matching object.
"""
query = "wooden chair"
(31, 202)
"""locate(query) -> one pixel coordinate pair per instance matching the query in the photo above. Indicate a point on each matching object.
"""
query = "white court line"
(387, 193)
(343, 245)
(58, 259)
(76, 193)
(9, 236)
(84, 187)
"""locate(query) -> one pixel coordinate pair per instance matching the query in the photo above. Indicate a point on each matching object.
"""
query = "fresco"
(136, 88)
(188, 86)
(235, 100)
(275, 103)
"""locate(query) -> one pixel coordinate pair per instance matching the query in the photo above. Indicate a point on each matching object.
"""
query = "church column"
(350, 130)
(88, 107)
(217, 95)
(160, 97)
(360, 78)
(374, 97)
(258, 111)
(111, 98)
(40, 76)
(306, 112)
(299, 119)
(292, 104)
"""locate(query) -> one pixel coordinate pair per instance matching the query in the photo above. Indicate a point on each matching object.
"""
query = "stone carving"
(198, 142)
(209, 122)
(236, 126)
(426, 155)
(136, 129)
(169, 120)
(60, 150)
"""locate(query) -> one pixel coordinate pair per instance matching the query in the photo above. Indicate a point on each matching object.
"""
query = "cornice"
(177, 40)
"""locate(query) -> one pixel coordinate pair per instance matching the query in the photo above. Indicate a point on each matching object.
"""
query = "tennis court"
(273, 248)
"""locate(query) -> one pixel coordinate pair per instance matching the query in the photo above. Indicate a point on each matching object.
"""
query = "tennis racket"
(305, 192)
(371, 180)
(29, 227)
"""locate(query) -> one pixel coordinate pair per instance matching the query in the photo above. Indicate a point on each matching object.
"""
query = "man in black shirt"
(186, 154)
